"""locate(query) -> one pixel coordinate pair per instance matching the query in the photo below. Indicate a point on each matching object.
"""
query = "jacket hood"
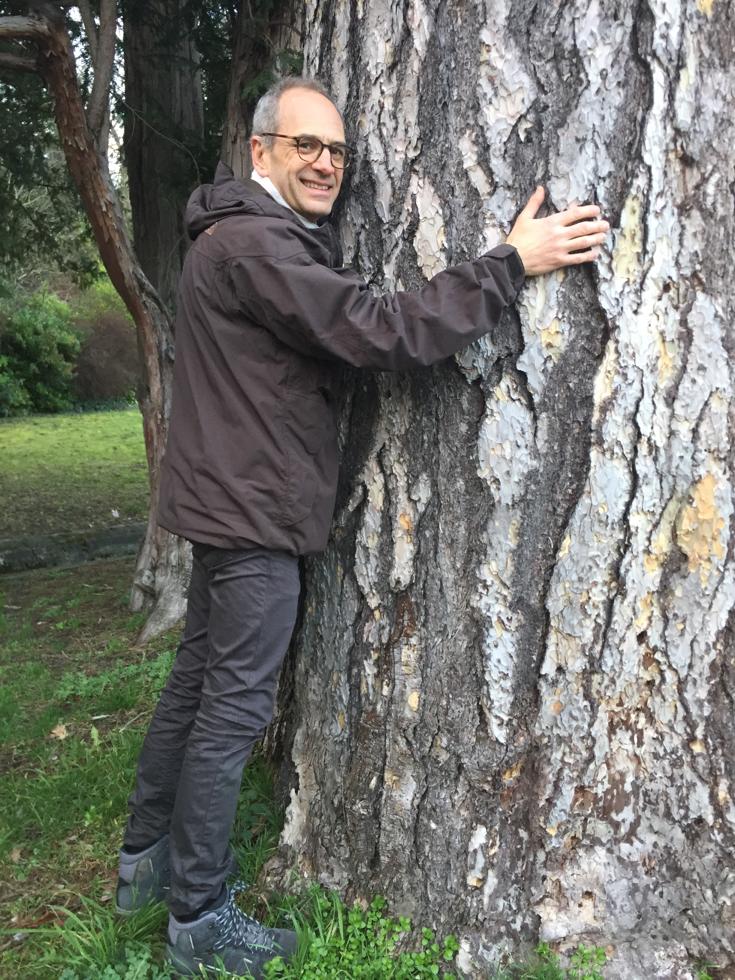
(226, 197)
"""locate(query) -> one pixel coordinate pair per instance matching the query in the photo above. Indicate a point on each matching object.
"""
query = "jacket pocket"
(307, 423)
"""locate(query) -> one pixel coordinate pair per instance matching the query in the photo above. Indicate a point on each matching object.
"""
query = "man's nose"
(324, 162)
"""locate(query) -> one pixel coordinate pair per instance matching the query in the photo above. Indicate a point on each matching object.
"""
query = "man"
(266, 313)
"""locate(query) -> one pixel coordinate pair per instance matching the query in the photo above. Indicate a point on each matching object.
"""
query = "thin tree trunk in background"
(266, 46)
(512, 706)
(164, 125)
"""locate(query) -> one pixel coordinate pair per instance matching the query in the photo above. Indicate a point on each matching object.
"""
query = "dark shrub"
(107, 365)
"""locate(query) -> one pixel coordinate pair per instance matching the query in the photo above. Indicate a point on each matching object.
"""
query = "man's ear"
(259, 156)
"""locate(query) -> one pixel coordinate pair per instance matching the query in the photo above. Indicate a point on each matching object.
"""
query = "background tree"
(43, 227)
(164, 132)
(512, 706)
(267, 45)
(40, 42)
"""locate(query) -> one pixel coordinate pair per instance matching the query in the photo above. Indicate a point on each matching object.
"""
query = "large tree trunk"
(512, 708)
(162, 568)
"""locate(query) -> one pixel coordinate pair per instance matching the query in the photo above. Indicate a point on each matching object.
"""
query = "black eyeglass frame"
(348, 151)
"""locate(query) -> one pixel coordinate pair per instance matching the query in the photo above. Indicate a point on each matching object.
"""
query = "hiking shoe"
(146, 877)
(143, 877)
(226, 938)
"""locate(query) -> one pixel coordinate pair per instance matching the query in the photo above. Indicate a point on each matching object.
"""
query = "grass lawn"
(72, 472)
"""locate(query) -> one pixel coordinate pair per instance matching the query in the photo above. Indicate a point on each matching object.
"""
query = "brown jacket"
(266, 311)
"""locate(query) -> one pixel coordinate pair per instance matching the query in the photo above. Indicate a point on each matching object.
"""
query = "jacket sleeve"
(333, 313)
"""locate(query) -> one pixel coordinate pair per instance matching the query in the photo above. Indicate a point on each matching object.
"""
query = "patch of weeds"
(67, 652)
(116, 644)
(137, 620)
(95, 944)
(118, 687)
(585, 963)
(17, 718)
(258, 822)
(67, 624)
(337, 943)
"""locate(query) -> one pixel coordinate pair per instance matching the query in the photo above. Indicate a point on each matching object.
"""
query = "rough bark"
(512, 702)
(265, 37)
(162, 567)
(164, 125)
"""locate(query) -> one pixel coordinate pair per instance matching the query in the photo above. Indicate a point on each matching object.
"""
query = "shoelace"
(235, 927)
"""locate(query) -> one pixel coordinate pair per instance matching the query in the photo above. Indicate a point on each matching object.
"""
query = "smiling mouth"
(314, 186)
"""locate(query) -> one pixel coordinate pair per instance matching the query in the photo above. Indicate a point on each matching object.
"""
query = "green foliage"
(86, 787)
(585, 963)
(285, 62)
(37, 350)
(214, 33)
(100, 946)
(117, 688)
(258, 822)
(57, 354)
(362, 944)
(135, 964)
(43, 224)
(14, 399)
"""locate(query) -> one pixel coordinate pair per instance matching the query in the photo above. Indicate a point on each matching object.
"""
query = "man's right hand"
(567, 238)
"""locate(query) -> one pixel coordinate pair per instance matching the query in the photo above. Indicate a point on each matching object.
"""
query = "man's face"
(309, 188)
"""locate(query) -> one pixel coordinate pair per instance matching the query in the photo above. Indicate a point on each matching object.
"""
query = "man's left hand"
(570, 237)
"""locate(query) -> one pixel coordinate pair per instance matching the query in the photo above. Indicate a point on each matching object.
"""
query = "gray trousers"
(217, 703)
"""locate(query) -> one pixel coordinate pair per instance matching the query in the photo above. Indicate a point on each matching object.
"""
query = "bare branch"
(32, 28)
(16, 63)
(24, 29)
(103, 66)
(90, 29)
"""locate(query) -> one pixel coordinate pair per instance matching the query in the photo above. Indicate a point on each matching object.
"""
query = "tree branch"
(103, 66)
(24, 29)
(16, 63)
(91, 29)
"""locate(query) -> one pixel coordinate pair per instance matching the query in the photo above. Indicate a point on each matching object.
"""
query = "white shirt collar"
(268, 185)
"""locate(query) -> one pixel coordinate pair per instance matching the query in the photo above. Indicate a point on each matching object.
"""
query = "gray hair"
(265, 117)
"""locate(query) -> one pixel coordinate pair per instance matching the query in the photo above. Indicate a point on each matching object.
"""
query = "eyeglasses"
(309, 148)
